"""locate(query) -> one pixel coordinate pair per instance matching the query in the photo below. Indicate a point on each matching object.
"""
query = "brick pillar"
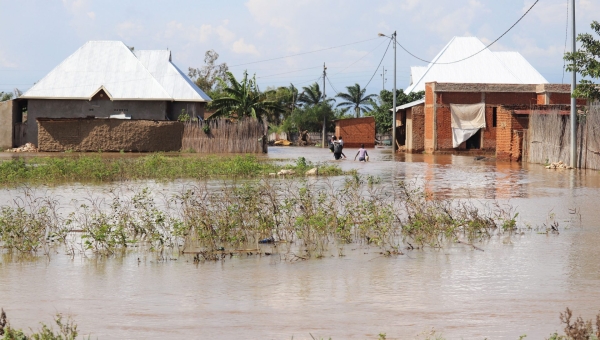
(429, 118)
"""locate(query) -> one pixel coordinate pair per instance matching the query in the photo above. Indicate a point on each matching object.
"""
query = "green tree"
(355, 98)
(286, 98)
(312, 95)
(207, 76)
(382, 106)
(586, 61)
(311, 118)
(243, 99)
(4, 96)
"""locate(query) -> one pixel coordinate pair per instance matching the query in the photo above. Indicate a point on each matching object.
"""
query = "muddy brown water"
(517, 285)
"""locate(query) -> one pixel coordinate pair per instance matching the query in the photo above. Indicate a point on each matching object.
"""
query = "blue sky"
(38, 35)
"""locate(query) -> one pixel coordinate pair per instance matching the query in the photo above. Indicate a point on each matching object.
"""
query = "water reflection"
(518, 285)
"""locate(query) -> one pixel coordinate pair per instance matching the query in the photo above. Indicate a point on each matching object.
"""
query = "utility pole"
(394, 148)
(324, 116)
(573, 99)
(383, 79)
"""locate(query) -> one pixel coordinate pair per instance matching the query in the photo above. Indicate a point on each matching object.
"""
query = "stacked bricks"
(418, 128)
(356, 131)
(429, 118)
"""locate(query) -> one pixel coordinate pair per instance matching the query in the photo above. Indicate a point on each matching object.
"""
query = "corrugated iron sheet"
(171, 78)
(486, 67)
(110, 64)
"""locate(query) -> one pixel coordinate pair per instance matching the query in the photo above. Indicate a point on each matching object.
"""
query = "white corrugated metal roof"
(175, 82)
(112, 66)
(99, 63)
(487, 67)
(416, 72)
(411, 104)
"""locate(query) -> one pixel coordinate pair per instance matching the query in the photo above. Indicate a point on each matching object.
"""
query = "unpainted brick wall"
(504, 133)
(429, 121)
(509, 136)
(418, 128)
(356, 131)
(509, 98)
(109, 135)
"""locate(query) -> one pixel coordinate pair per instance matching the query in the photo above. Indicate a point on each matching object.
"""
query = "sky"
(39, 34)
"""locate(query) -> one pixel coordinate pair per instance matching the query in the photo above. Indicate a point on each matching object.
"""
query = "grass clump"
(67, 330)
(313, 215)
(96, 168)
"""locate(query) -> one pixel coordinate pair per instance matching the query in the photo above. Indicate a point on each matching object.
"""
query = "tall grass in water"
(155, 166)
(314, 215)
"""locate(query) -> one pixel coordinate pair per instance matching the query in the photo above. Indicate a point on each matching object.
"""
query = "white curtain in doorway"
(467, 119)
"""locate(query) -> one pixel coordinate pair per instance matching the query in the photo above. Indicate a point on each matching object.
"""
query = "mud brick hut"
(465, 85)
(105, 78)
(356, 131)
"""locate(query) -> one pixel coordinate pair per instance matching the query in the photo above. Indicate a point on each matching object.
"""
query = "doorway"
(475, 141)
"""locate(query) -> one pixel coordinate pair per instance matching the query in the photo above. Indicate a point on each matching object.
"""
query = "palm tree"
(355, 98)
(312, 95)
(242, 99)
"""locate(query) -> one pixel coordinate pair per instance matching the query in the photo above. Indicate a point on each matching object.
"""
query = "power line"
(333, 87)
(303, 53)
(476, 53)
(278, 74)
(374, 73)
(361, 58)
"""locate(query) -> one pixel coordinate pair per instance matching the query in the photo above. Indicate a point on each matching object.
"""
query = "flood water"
(517, 285)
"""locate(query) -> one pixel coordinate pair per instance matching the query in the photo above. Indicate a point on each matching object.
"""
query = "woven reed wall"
(225, 136)
(549, 138)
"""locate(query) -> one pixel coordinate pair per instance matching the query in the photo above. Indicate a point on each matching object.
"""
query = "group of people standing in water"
(337, 146)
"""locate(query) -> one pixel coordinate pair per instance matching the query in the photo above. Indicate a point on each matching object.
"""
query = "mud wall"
(57, 135)
(6, 125)
(59, 108)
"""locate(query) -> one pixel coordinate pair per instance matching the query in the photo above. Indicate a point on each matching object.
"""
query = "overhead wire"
(278, 74)
(476, 53)
(374, 73)
(303, 53)
(333, 87)
(361, 58)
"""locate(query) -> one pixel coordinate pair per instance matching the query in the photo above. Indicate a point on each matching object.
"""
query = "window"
(494, 116)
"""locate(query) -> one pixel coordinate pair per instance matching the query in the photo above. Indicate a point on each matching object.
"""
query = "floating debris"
(558, 165)
(28, 147)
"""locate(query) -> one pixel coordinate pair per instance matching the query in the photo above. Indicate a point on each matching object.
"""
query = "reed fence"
(549, 138)
(225, 136)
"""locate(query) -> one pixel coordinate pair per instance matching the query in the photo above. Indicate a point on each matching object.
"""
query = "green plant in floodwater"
(67, 330)
(578, 329)
(95, 168)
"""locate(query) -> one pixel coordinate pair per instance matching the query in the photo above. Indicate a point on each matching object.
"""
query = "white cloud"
(91, 15)
(5, 62)
(242, 47)
(75, 6)
(129, 29)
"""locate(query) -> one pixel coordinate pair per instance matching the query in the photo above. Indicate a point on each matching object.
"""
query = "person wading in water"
(362, 154)
(337, 149)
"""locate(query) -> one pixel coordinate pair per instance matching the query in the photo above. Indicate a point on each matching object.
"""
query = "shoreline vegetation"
(300, 219)
(574, 329)
(95, 168)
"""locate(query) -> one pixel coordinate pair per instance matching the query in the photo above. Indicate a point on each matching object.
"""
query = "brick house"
(428, 121)
(356, 131)
(467, 75)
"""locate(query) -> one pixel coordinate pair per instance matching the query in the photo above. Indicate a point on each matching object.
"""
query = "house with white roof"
(464, 86)
(105, 78)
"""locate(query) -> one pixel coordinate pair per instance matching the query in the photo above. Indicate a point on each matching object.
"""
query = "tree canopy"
(381, 108)
(356, 99)
(243, 99)
(4, 96)
(586, 61)
(207, 76)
